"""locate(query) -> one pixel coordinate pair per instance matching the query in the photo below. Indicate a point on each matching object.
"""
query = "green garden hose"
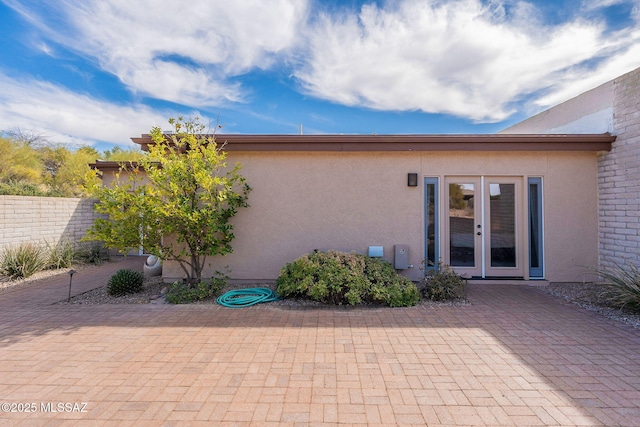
(246, 297)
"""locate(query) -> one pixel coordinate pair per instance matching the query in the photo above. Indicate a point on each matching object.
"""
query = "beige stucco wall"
(348, 201)
(306, 201)
(571, 218)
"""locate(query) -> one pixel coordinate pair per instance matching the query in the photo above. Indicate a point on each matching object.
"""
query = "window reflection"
(461, 225)
(503, 225)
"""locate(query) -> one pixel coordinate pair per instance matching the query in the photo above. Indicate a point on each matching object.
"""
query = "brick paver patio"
(513, 357)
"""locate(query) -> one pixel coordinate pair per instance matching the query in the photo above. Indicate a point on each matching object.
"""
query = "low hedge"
(444, 284)
(342, 278)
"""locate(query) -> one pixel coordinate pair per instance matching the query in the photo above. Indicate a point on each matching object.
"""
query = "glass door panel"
(503, 230)
(484, 226)
(431, 223)
(502, 225)
(463, 223)
(536, 245)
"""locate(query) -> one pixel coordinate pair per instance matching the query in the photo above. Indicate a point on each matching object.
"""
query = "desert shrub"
(444, 284)
(60, 255)
(345, 279)
(621, 287)
(92, 252)
(125, 282)
(184, 293)
(20, 188)
(23, 260)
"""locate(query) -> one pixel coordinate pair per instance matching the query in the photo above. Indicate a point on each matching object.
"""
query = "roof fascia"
(358, 143)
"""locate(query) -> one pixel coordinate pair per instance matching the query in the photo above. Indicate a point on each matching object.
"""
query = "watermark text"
(50, 407)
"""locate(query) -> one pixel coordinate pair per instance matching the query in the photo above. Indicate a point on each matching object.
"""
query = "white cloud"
(475, 59)
(67, 117)
(597, 4)
(575, 82)
(620, 54)
(460, 57)
(183, 52)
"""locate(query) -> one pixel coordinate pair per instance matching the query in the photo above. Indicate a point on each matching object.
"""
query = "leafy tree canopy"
(19, 162)
(30, 165)
(177, 202)
(117, 154)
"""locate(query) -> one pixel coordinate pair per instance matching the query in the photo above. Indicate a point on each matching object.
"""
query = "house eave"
(115, 166)
(358, 143)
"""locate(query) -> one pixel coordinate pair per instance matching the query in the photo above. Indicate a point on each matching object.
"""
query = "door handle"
(479, 233)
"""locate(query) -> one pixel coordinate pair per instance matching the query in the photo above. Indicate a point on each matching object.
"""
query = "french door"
(483, 226)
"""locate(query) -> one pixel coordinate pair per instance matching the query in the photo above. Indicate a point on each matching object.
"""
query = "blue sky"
(96, 72)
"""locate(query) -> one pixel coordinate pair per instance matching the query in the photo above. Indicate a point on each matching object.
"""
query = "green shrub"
(444, 284)
(621, 287)
(184, 293)
(60, 255)
(20, 188)
(345, 278)
(23, 260)
(125, 282)
(92, 253)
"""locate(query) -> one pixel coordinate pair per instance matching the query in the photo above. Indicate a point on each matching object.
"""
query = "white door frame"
(478, 228)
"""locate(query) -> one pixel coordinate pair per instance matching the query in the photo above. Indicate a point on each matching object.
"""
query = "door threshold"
(517, 281)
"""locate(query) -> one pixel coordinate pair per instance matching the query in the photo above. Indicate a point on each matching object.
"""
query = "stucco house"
(536, 202)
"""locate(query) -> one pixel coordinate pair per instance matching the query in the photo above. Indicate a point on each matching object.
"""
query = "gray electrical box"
(401, 257)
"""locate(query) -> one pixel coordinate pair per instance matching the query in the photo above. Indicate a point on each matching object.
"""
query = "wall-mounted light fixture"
(412, 180)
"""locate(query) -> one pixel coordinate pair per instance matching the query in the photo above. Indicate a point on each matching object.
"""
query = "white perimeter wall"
(612, 107)
(44, 219)
(619, 178)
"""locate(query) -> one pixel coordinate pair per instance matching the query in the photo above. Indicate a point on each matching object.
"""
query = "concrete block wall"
(619, 178)
(44, 219)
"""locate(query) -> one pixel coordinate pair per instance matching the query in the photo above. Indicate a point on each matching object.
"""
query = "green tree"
(75, 175)
(456, 197)
(117, 154)
(54, 157)
(19, 162)
(31, 138)
(177, 201)
(65, 172)
(32, 165)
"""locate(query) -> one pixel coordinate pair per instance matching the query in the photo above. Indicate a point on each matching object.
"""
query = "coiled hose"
(240, 298)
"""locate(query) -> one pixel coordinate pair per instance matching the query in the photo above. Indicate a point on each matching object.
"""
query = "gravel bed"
(587, 296)
(152, 293)
(154, 289)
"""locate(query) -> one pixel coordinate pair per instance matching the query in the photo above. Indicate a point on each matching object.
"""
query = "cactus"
(125, 282)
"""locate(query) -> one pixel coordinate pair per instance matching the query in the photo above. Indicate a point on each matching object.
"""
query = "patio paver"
(514, 356)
